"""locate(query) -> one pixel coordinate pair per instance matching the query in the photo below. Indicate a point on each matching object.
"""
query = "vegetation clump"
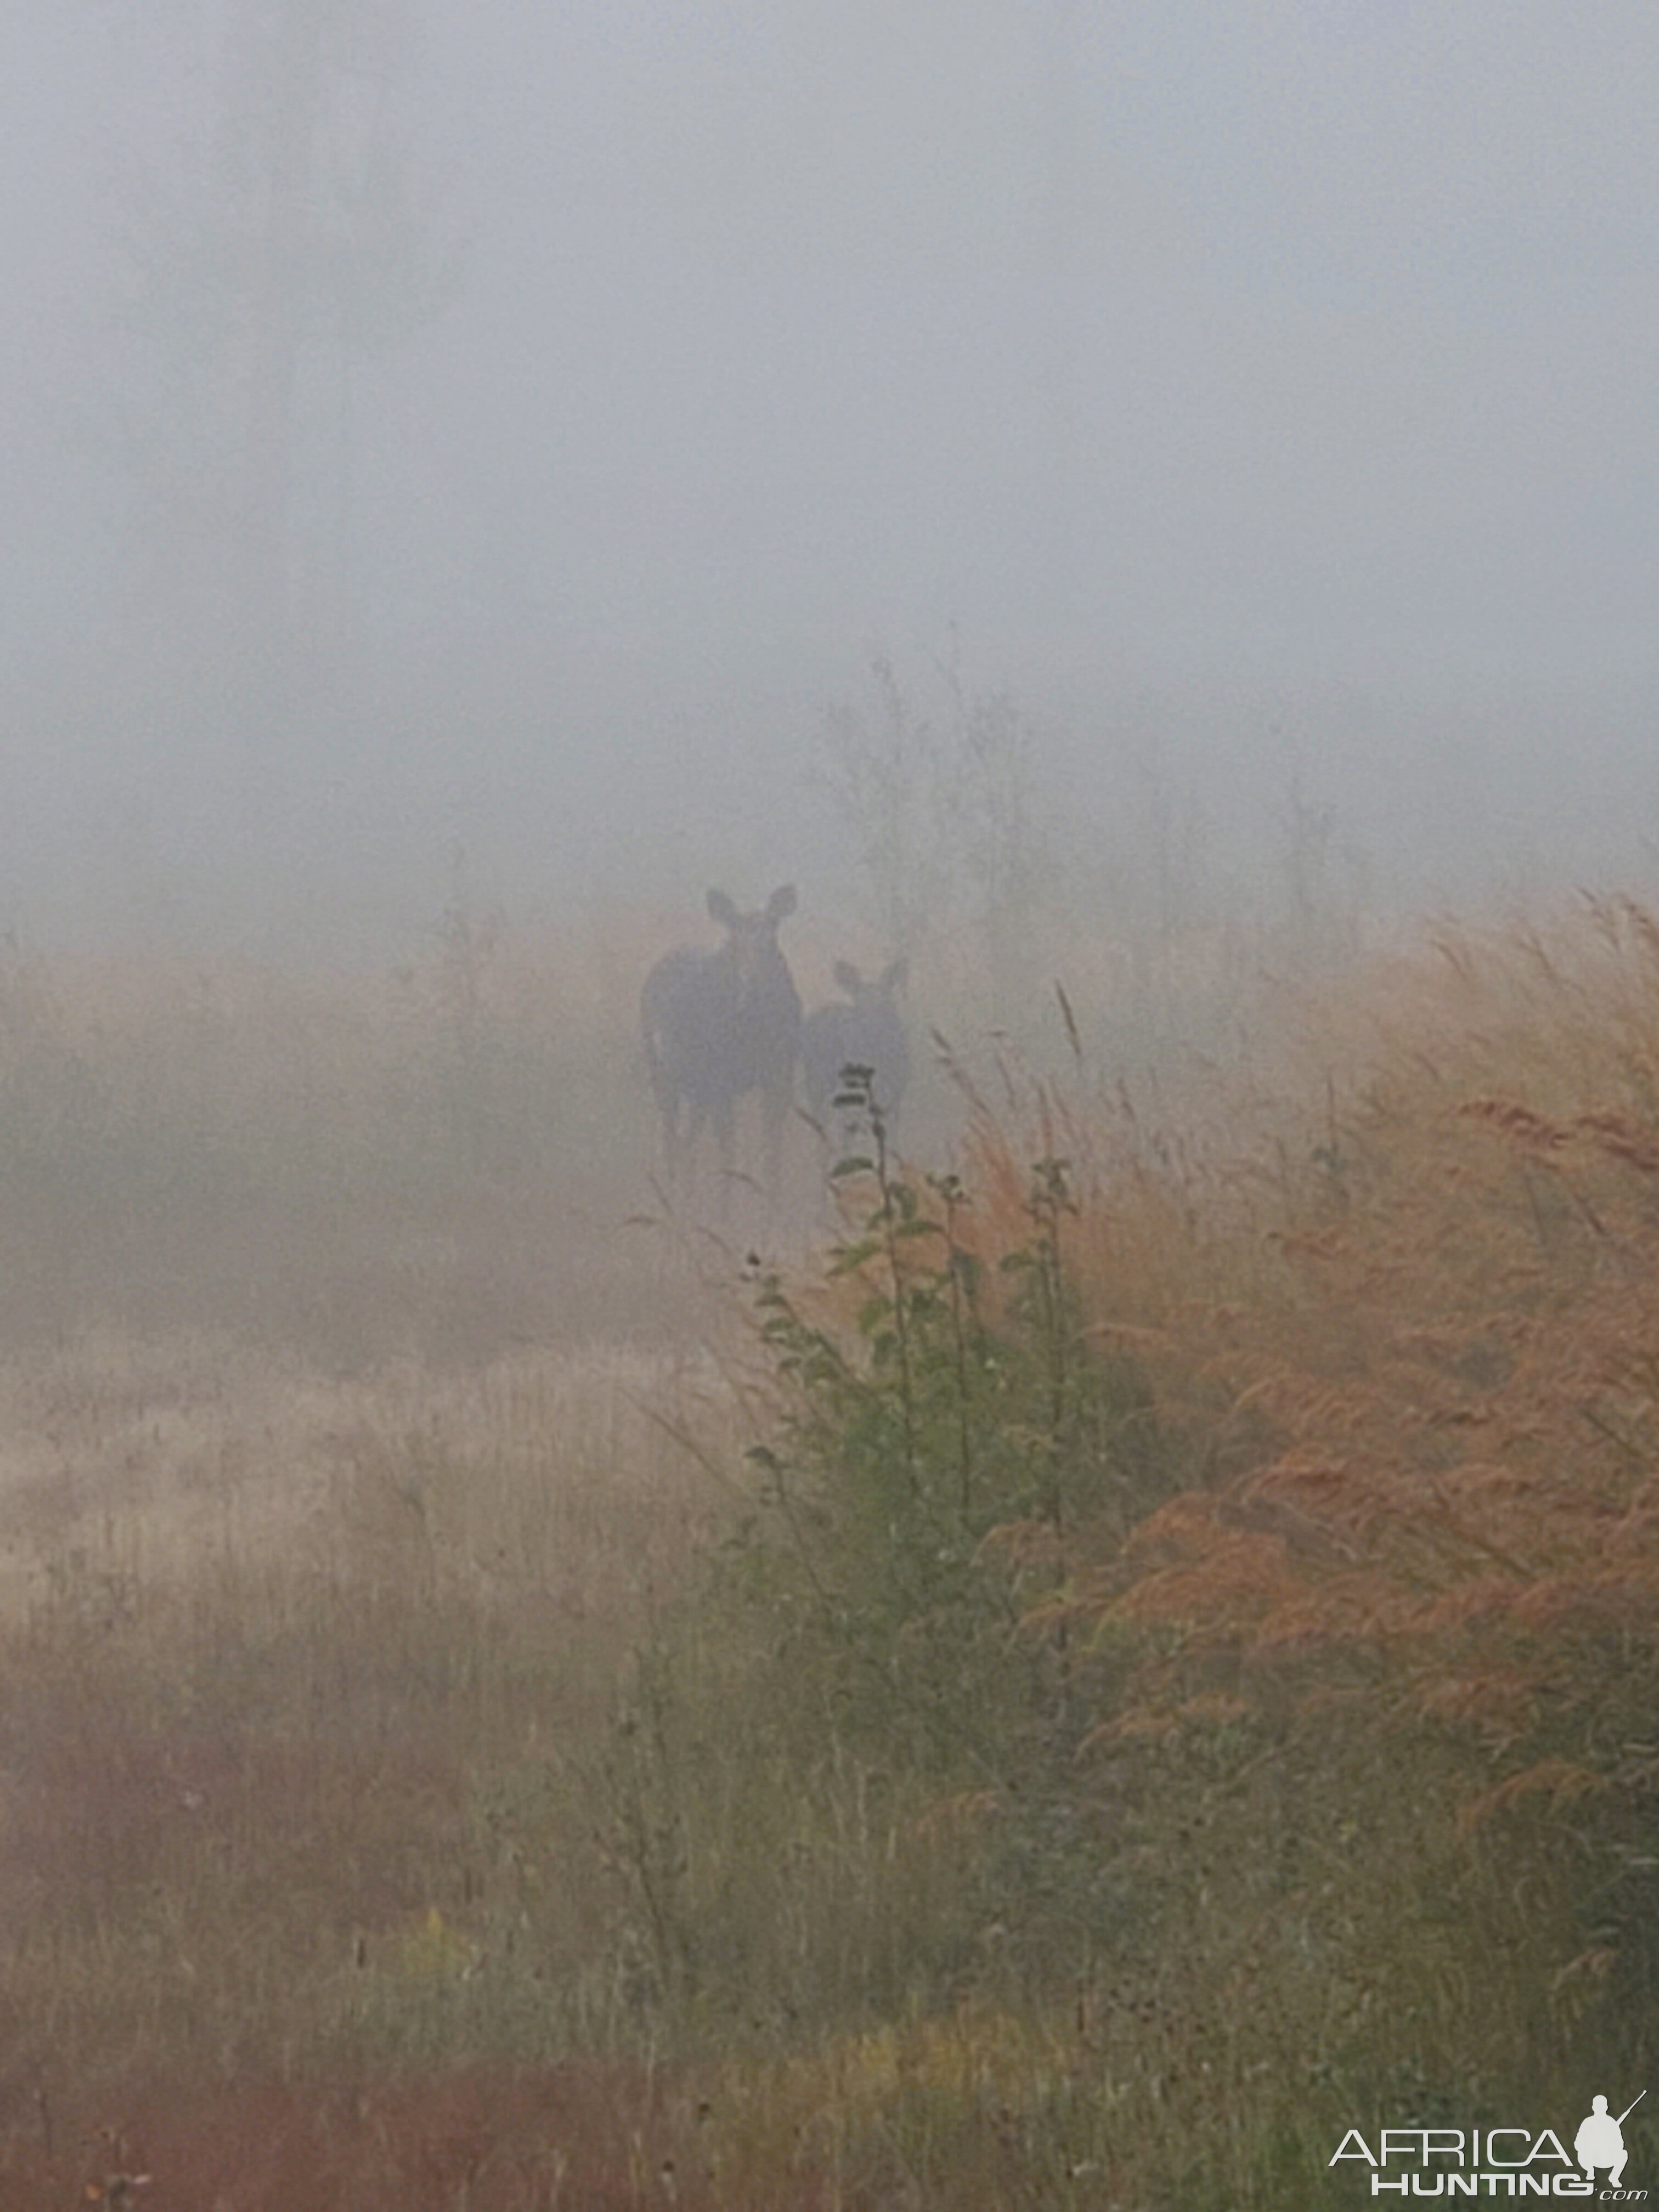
(1235, 1584)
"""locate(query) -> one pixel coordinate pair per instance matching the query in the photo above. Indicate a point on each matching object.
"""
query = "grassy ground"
(1100, 1754)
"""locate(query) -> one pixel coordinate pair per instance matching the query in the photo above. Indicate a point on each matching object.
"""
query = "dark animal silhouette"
(863, 1030)
(718, 1025)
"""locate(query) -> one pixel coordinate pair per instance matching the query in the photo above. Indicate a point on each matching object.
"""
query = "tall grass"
(1246, 1560)
(1139, 1658)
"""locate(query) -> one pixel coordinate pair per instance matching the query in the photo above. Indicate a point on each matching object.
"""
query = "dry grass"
(300, 1673)
(353, 1450)
(1447, 1400)
(584, 2138)
(1374, 1744)
(1403, 1337)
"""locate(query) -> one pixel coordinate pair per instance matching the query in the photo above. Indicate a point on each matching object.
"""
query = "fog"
(515, 428)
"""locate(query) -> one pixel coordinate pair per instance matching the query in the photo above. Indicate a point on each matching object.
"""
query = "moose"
(862, 1029)
(718, 1026)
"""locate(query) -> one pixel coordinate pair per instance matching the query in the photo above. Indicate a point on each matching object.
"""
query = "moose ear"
(848, 978)
(780, 905)
(895, 976)
(721, 910)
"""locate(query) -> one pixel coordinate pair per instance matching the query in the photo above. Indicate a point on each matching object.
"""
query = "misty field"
(1130, 1653)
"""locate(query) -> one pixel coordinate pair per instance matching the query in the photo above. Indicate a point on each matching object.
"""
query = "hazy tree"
(1327, 877)
(881, 764)
(1177, 827)
(989, 807)
(944, 811)
(275, 246)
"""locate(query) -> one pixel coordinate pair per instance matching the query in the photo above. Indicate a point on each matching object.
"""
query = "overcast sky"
(1292, 361)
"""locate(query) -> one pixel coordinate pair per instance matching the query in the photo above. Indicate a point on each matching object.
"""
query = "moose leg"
(685, 1170)
(724, 1116)
(670, 1139)
(774, 1109)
